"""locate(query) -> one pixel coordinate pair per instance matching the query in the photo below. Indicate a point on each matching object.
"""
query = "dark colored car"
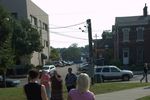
(9, 82)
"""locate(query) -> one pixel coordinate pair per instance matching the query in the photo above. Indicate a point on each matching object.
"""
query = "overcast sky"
(102, 13)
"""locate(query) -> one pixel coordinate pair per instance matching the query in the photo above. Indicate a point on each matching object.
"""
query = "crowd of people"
(50, 87)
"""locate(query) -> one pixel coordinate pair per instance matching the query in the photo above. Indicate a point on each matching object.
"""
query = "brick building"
(103, 48)
(132, 38)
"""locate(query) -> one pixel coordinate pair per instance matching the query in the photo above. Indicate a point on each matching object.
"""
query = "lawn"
(145, 98)
(17, 93)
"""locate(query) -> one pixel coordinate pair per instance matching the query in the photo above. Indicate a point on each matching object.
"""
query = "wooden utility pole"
(91, 63)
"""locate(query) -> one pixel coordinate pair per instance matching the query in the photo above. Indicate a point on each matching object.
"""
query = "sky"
(67, 18)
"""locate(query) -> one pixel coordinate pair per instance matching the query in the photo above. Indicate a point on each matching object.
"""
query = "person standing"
(70, 80)
(32, 89)
(57, 87)
(45, 80)
(145, 72)
(82, 91)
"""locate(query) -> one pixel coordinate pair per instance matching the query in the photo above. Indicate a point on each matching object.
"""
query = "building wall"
(146, 44)
(42, 19)
(133, 44)
(26, 9)
(15, 6)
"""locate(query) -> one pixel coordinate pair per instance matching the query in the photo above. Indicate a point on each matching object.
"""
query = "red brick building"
(103, 48)
(132, 39)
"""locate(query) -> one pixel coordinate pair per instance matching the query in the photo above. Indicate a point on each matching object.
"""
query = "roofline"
(131, 16)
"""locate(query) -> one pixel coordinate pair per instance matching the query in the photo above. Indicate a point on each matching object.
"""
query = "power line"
(64, 41)
(57, 33)
(67, 26)
(70, 28)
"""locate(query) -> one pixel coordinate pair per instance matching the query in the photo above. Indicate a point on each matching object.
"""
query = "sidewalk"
(129, 94)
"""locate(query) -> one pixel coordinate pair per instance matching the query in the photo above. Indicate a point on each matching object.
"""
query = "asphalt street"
(63, 71)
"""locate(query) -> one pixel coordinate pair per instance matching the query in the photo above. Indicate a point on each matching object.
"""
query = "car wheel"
(125, 78)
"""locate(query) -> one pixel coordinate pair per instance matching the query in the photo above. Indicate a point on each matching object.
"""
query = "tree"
(26, 39)
(72, 53)
(6, 52)
(54, 54)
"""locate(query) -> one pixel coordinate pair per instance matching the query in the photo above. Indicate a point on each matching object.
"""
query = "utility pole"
(96, 47)
(91, 65)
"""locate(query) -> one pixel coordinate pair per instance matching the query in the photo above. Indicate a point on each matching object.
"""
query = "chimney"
(145, 11)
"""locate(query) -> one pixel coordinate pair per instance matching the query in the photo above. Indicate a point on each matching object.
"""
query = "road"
(61, 70)
(64, 70)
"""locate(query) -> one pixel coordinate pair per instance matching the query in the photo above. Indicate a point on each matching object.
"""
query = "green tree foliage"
(6, 52)
(72, 53)
(26, 39)
(85, 50)
(5, 25)
(54, 54)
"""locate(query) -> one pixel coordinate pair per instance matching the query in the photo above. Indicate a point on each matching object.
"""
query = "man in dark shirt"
(70, 80)
(145, 72)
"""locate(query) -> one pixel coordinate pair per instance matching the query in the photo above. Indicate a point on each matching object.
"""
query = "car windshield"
(113, 69)
(45, 68)
(118, 68)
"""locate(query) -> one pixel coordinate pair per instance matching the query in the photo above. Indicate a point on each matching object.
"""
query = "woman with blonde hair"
(82, 91)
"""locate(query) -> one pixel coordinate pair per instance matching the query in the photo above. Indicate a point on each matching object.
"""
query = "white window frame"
(126, 34)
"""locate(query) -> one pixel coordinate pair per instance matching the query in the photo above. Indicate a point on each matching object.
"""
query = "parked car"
(67, 63)
(48, 68)
(83, 67)
(9, 82)
(112, 72)
(58, 63)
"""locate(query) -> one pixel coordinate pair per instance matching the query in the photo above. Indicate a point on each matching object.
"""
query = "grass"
(12, 94)
(110, 87)
(17, 93)
(145, 98)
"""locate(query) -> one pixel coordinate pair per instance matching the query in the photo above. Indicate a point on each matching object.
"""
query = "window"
(51, 67)
(98, 69)
(126, 34)
(14, 15)
(106, 70)
(114, 70)
(45, 27)
(33, 20)
(139, 55)
(139, 33)
(125, 54)
(46, 43)
(40, 23)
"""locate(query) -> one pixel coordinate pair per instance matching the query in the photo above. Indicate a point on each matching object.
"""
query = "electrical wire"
(67, 26)
(57, 33)
(64, 41)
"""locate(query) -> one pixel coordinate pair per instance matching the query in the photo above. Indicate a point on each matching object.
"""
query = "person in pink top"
(82, 91)
(45, 80)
